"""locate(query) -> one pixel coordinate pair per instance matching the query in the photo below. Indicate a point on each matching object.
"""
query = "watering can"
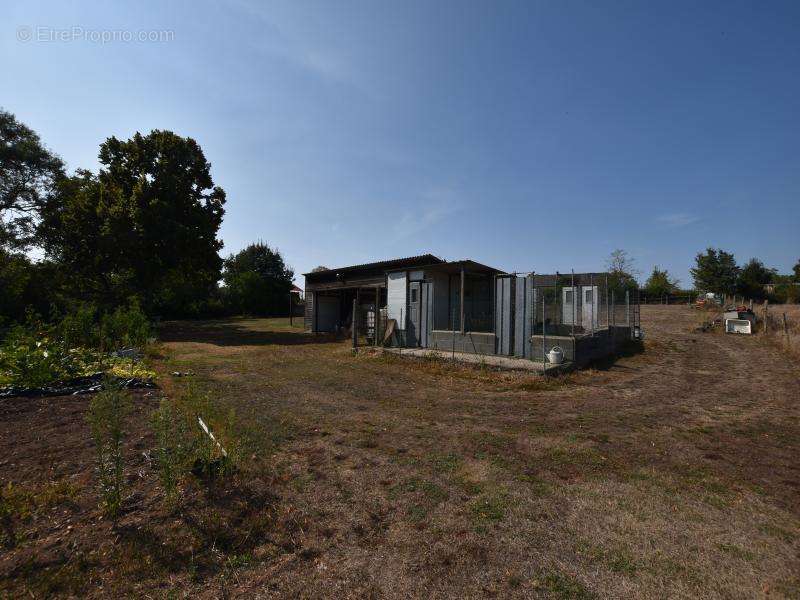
(556, 355)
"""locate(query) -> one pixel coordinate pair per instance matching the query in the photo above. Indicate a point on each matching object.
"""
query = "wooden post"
(462, 299)
(354, 325)
(766, 317)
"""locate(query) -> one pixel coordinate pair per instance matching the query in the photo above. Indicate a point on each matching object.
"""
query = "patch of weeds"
(106, 416)
(620, 561)
(417, 512)
(70, 578)
(222, 455)
(489, 508)
(543, 383)
(778, 532)
(172, 451)
(486, 443)
(238, 561)
(736, 551)
(18, 504)
(368, 440)
(446, 463)
(470, 487)
(301, 482)
(710, 489)
(564, 586)
(515, 581)
(576, 460)
(535, 484)
(432, 492)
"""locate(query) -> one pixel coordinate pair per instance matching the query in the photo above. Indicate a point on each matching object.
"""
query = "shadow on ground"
(232, 333)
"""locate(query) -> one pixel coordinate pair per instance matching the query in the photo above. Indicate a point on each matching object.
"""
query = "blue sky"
(529, 136)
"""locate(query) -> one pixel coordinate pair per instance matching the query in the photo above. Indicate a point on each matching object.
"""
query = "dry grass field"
(671, 473)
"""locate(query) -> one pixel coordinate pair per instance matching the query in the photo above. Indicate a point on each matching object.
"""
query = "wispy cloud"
(300, 48)
(437, 205)
(676, 220)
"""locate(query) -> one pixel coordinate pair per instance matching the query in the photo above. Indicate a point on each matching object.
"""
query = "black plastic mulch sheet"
(75, 387)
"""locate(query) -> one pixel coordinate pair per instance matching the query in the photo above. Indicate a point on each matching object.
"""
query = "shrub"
(209, 459)
(126, 326)
(107, 412)
(32, 357)
(79, 328)
(172, 451)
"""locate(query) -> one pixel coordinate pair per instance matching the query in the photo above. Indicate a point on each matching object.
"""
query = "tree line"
(143, 229)
(715, 271)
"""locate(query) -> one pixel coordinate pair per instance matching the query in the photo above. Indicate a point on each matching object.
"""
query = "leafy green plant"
(126, 326)
(35, 354)
(79, 328)
(107, 412)
(31, 357)
(212, 457)
(172, 450)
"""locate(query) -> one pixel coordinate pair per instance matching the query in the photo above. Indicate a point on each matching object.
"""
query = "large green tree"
(660, 283)
(28, 172)
(257, 281)
(145, 226)
(796, 270)
(715, 271)
(752, 278)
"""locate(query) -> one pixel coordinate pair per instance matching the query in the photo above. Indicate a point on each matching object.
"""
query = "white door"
(591, 309)
(568, 316)
(586, 312)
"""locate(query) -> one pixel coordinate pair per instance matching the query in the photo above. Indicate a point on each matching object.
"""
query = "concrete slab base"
(492, 360)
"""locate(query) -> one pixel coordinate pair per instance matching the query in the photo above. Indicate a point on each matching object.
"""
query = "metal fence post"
(574, 307)
(544, 332)
(376, 324)
(628, 309)
(453, 335)
(401, 338)
(591, 291)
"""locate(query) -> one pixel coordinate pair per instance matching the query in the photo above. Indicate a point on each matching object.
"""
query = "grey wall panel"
(530, 304)
(520, 315)
(503, 316)
(441, 316)
(426, 314)
(309, 314)
(327, 313)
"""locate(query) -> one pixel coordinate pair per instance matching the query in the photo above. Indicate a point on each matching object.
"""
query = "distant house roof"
(384, 265)
(296, 289)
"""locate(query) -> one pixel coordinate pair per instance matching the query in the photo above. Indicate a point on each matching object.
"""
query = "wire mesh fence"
(530, 316)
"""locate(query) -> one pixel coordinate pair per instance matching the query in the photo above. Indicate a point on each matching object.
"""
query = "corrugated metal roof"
(409, 261)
